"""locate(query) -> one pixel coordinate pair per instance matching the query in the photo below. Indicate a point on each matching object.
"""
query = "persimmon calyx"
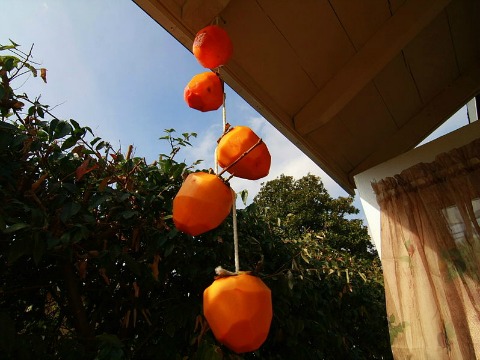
(221, 272)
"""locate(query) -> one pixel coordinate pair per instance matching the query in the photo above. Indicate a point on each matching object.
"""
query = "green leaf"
(109, 353)
(15, 227)
(207, 351)
(65, 238)
(70, 142)
(110, 347)
(132, 264)
(7, 333)
(98, 200)
(173, 233)
(169, 249)
(51, 129)
(109, 339)
(121, 197)
(38, 248)
(128, 214)
(7, 126)
(166, 165)
(9, 62)
(40, 112)
(70, 187)
(306, 255)
(52, 242)
(94, 141)
(13, 43)
(32, 69)
(18, 248)
(177, 170)
(6, 47)
(69, 209)
(81, 233)
(362, 275)
(244, 196)
(100, 145)
(290, 279)
(62, 129)
(75, 124)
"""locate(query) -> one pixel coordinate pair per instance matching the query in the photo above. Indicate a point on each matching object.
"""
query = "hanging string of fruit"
(237, 305)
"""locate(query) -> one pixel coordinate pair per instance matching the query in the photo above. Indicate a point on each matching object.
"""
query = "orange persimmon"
(212, 47)
(202, 203)
(239, 311)
(235, 144)
(204, 92)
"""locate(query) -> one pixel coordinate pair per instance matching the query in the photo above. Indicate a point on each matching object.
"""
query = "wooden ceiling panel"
(433, 114)
(377, 53)
(361, 19)
(200, 13)
(432, 61)
(315, 35)
(395, 4)
(286, 81)
(463, 18)
(332, 140)
(352, 83)
(398, 90)
(368, 119)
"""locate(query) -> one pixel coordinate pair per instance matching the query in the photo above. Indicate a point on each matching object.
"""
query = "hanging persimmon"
(204, 92)
(202, 203)
(212, 47)
(239, 311)
(243, 154)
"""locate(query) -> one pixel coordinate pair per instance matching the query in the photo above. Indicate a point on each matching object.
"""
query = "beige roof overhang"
(351, 83)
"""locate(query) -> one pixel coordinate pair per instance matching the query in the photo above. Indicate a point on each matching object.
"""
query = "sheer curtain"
(430, 215)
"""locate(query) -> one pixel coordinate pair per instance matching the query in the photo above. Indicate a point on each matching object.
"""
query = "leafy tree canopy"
(304, 205)
(91, 265)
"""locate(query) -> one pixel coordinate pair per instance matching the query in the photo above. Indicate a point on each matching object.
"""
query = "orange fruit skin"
(204, 92)
(212, 47)
(239, 311)
(201, 204)
(255, 165)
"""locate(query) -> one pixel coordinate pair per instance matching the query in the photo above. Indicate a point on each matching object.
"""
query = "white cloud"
(203, 147)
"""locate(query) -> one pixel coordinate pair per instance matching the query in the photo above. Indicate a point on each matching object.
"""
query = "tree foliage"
(324, 264)
(91, 265)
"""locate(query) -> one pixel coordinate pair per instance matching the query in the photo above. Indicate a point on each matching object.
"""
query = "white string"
(224, 113)
(234, 206)
(235, 234)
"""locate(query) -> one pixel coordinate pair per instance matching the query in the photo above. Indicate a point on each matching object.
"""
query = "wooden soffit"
(351, 83)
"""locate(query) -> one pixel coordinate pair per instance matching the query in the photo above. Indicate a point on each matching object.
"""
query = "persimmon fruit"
(212, 47)
(239, 311)
(202, 203)
(234, 144)
(204, 92)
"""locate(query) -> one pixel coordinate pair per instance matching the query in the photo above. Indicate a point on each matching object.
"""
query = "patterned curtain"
(430, 215)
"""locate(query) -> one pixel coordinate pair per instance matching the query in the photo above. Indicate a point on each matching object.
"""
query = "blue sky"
(113, 68)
